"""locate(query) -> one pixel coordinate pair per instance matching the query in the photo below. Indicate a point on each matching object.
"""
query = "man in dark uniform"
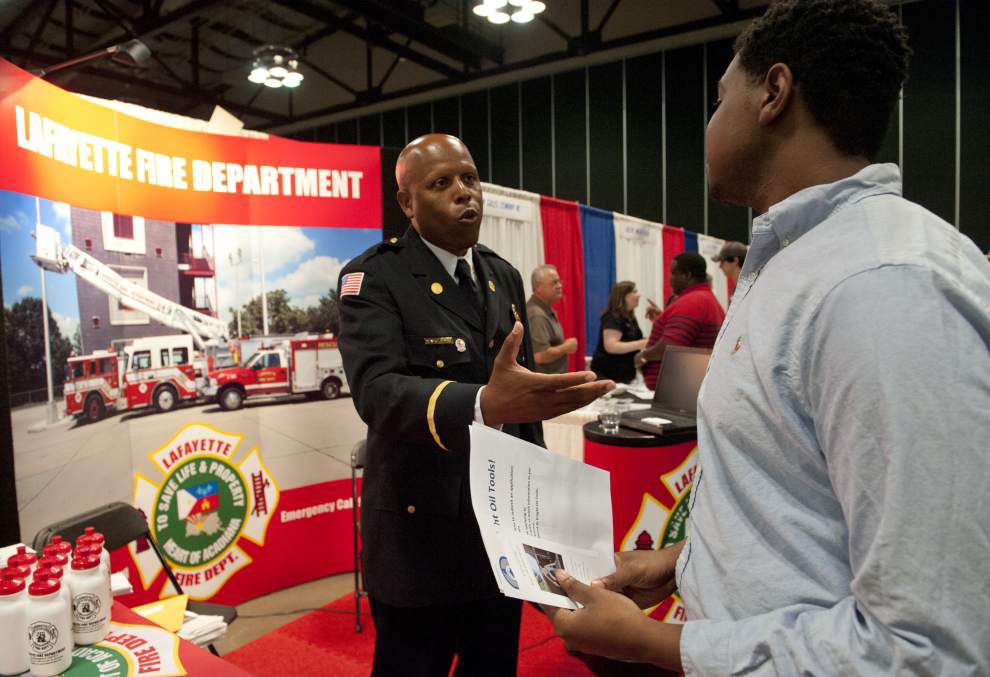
(432, 336)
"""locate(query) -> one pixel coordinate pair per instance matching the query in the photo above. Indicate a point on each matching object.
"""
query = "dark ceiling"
(355, 53)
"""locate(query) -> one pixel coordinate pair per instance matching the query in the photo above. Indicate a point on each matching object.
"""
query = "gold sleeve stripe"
(431, 408)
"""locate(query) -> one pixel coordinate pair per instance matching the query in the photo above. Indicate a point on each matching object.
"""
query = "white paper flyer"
(539, 512)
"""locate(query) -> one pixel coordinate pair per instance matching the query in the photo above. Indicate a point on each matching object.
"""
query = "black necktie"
(464, 280)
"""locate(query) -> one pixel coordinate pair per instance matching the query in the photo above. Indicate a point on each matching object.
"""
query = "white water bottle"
(49, 629)
(92, 550)
(13, 627)
(90, 600)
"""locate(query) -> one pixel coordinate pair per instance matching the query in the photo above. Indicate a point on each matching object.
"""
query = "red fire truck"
(156, 371)
(309, 365)
(92, 385)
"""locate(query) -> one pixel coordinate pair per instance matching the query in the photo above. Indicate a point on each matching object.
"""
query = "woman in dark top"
(619, 336)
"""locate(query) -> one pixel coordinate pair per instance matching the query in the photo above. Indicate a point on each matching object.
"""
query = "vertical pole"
(50, 407)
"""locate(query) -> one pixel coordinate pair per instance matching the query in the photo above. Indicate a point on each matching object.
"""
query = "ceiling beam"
(378, 38)
(145, 29)
(406, 18)
(727, 6)
(186, 93)
(646, 36)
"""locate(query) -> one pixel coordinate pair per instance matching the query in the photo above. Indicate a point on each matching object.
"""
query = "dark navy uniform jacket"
(416, 350)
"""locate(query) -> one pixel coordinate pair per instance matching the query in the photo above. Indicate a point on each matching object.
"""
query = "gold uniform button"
(440, 364)
(410, 509)
(436, 288)
(491, 285)
(393, 240)
(491, 344)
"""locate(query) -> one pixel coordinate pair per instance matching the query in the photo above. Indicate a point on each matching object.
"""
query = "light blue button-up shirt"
(840, 522)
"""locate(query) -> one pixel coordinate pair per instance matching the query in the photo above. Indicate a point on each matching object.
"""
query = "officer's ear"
(405, 202)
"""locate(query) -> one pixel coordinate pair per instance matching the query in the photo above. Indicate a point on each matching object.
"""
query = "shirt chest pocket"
(437, 356)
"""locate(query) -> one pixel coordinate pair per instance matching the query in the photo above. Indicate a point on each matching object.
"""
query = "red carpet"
(324, 643)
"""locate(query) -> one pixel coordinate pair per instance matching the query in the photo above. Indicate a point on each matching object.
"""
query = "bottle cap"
(86, 562)
(14, 572)
(23, 558)
(56, 560)
(48, 572)
(45, 586)
(64, 547)
(12, 586)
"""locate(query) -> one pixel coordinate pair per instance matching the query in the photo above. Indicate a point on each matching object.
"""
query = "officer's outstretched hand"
(515, 394)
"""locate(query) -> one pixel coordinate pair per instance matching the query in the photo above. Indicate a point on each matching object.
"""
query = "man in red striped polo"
(692, 319)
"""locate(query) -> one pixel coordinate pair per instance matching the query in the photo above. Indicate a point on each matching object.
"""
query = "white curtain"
(511, 226)
(708, 247)
(639, 257)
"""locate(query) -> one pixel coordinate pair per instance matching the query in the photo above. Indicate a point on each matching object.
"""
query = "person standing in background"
(619, 335)
(692, 319)
(550, 348)
(730, 259)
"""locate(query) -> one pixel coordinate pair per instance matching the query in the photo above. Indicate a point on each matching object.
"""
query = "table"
(564, 434)
(651, 477)
(136, 646)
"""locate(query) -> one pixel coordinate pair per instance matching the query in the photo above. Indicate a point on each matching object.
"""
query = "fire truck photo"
(310, 365)
(156, 371)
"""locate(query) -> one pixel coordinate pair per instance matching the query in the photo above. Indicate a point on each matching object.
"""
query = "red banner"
(62, 147)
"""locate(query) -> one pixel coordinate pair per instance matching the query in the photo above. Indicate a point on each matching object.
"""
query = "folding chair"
(120, 524)
(357, 463)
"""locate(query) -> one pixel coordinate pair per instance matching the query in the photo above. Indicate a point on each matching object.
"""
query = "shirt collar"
(538, 301)
(794, 216)
(449, 260)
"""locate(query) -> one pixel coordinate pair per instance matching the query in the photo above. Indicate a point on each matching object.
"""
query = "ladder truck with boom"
(157, 371)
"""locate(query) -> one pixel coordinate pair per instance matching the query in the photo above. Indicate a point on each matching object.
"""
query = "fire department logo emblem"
(205, 503)
(658, 526)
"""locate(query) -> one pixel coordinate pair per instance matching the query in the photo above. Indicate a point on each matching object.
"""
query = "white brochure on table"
(539, 512)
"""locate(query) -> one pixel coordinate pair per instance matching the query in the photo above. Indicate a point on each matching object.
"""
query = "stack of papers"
(539, 512)
(201, 630)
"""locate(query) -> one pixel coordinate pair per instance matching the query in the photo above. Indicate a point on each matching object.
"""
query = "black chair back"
(119, 523)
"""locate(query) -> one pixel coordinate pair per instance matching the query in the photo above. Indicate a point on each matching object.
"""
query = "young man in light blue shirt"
(840, 516)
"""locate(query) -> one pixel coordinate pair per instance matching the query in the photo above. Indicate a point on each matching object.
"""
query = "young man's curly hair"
(849, 59)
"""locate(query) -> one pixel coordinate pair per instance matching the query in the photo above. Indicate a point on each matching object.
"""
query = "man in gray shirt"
(550, 348)
(840, 521)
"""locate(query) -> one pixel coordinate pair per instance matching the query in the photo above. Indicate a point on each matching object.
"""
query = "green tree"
(324, 317)
(25, 338)
(283, 317)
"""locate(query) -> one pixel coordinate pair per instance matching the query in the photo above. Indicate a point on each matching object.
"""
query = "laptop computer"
(676, 398)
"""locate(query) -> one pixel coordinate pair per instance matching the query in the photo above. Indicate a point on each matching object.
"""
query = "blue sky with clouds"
(21, 277)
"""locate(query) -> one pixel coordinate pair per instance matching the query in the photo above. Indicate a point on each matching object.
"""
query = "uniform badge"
(460, 345)
(350, 284)
(436, 288)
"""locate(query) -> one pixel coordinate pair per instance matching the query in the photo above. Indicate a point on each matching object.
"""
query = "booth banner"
(66, 148)
(673, 244)
(227, 530)
(650, 500)
(128, 650)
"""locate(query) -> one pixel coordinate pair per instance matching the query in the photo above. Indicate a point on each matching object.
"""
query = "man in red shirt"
(692, 319)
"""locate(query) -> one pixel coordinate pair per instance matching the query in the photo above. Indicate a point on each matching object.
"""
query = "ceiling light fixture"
(498, 11)
(275, 66)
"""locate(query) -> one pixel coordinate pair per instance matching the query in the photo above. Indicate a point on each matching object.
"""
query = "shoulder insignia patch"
(350, 285)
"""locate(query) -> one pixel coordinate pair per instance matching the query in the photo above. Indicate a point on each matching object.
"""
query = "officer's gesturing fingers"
(516, 395)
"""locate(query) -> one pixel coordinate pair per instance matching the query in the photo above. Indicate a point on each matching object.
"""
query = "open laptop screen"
(681, 372)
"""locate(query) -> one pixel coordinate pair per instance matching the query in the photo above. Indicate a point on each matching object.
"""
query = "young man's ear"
(778, 88)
